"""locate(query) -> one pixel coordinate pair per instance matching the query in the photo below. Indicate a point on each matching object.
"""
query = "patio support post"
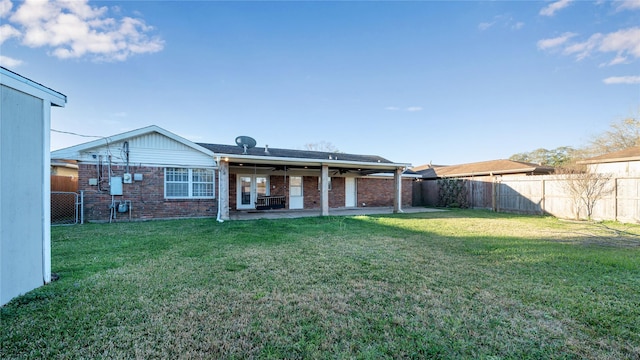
(324, 192)
(224, 189)
(397, 193)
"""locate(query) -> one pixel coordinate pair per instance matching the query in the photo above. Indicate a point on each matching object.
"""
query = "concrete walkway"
(290, 214)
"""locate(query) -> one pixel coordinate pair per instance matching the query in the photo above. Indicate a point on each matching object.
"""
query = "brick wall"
(371, 191)
(379, 192)
(146, 196)
(148, 202)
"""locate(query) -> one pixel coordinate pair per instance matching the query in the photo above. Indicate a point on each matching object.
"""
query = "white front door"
(296, 198)
(350, 192)
(249, 188)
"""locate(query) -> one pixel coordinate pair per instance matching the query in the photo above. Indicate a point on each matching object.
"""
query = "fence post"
(81, 206)
(615, 199)
(542, 210)
(494, 195)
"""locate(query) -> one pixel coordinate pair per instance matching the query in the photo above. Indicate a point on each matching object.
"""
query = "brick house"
(151, 173)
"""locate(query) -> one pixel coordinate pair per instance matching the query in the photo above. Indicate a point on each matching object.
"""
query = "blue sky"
(415, 82)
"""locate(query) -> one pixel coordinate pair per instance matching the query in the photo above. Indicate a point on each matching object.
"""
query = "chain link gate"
(67, 208)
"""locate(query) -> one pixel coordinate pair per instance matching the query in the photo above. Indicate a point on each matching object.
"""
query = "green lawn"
(457, 284)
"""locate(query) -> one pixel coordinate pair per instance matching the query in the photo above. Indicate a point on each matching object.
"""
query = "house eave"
(602, 161)
(74, 152)
(61, 164)
(272, 160)
(490, 173)
(21, 83)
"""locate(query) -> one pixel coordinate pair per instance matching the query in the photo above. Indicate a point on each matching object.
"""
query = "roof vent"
(266, 149)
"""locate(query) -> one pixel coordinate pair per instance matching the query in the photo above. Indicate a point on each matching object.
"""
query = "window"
(320, 183)
(183, 183)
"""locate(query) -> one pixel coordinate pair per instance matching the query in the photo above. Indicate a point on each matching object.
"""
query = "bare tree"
(585, 187)
(622, 135)
(321, 146)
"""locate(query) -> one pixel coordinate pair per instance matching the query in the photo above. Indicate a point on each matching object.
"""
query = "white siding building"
(624, 163)
(25, 236)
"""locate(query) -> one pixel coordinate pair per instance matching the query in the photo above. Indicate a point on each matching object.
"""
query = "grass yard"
(457, 284)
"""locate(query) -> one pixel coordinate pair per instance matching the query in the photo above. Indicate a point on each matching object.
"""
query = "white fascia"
(21, 83)
(271, 160)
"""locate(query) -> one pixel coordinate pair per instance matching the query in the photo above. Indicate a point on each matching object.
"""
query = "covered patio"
(292, 214)
(255, 181)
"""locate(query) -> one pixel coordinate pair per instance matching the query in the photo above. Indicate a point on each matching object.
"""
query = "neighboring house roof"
(483, 168)
(69, 164)
(73, 152)
(629, 154)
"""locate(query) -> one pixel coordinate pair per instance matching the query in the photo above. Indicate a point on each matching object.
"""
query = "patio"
(290, 214)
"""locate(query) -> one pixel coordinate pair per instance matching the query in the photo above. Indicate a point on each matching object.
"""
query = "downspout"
(219, 217)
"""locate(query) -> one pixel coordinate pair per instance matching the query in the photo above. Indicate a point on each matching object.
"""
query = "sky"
(413, 81)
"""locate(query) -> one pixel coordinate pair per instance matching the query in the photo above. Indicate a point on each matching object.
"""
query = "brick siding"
(379, 192)
(148, 202)
(146, 196)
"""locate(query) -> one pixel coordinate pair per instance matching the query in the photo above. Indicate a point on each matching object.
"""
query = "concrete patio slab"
(290, 214)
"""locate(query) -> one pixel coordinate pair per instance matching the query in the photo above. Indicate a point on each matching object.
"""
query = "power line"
(76, 134)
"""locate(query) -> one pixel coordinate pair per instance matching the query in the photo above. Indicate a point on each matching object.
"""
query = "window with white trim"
(320, 183)
(185, 183)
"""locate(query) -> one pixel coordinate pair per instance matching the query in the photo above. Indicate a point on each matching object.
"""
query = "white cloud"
(627, 4)
(583, 49)
(624, 43)
(551, 9)
(10, 62)
(74, 29)
(485, 25)
(5, 7)
(505, 21)
(7, 32)
(622, 80)
(555, 42)
(409, 109)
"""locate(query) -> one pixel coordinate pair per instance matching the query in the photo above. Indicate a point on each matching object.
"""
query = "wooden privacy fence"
(543, 194)
(64, 183)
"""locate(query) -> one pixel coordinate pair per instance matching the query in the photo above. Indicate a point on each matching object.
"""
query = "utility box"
(116, 185)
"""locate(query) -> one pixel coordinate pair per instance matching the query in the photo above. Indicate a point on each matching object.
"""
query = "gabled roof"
(257, 155)
(484, 168)
(74, 151)
(629, 154)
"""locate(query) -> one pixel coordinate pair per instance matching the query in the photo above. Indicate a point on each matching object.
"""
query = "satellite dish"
(245, 142)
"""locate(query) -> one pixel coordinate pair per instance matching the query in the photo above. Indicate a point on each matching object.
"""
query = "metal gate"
(67, 208)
